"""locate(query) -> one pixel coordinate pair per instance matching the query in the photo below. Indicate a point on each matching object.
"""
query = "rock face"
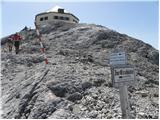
(77, 81)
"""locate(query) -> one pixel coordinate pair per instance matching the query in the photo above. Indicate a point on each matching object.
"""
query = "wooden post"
(124, 102)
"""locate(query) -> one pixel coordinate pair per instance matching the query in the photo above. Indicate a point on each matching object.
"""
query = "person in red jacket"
(16, 38)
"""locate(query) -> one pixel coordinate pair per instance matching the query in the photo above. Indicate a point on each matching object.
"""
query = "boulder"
(75, 96)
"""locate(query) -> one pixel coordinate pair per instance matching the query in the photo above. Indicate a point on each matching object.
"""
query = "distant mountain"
(78, 83)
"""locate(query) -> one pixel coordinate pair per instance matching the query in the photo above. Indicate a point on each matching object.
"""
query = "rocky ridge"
(78, 83)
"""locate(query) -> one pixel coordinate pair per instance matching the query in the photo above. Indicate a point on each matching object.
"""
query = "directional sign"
(118, 58)
(122, 75)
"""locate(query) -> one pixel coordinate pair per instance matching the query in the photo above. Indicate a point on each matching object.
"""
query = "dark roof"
(56, 12)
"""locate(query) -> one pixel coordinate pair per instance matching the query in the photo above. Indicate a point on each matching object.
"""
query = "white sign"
(123, 75)
(118, 58)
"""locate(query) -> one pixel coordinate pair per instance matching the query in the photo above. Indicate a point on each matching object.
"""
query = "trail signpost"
(118, 58)
(122, 75)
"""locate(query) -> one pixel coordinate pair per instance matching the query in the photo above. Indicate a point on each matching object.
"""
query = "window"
(46, 18)
(61, 18)
(61, 10)
(55, 17)
(66, 18)
(41, 19)
(75, 21)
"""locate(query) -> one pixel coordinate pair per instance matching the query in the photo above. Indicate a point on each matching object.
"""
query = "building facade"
(55, 14)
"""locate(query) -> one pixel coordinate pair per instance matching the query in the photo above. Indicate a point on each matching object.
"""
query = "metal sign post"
(122, 76)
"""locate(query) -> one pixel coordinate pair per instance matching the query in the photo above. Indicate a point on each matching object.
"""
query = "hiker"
(16, 38)
(10, 43)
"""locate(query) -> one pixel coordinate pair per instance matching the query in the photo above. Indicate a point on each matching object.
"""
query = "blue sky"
(138, 19)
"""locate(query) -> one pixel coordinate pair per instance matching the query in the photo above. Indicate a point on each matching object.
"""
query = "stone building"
(55, 14)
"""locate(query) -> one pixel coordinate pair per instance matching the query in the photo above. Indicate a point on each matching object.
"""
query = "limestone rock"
(78, 83)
